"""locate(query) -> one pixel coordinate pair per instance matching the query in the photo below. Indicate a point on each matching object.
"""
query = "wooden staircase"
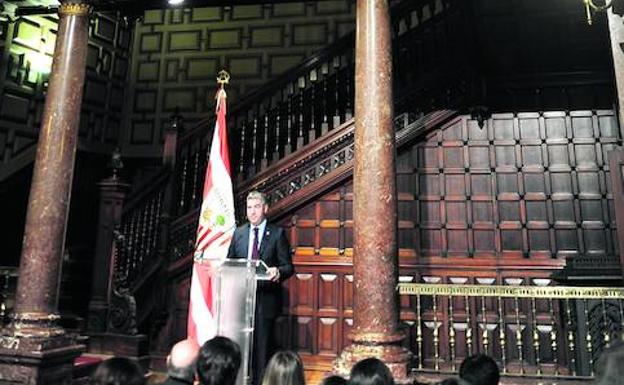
(292, 138)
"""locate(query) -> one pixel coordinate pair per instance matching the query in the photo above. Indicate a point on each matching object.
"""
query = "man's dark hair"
(479, 370)
(218, 362)
(334, 380)
(370, 371)
(608, 367)
(118, 370)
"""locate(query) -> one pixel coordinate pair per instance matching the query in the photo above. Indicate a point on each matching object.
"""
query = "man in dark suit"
(259, 239)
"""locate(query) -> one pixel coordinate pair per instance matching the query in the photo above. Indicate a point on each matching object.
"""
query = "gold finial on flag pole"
(223, 77)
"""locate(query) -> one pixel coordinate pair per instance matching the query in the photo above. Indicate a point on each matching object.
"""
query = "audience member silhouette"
(181, 363)
(479, 370)
(118, 371)
(609, 367)
(334, 380)
(370, 371)
(284, 368)
(218, 362)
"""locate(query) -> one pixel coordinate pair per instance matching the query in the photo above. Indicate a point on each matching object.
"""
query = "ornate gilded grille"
(532, 331)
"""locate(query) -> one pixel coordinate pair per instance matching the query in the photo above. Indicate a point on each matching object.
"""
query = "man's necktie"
(255, 253)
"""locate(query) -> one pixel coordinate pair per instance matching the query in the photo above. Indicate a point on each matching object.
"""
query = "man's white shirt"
(261, 228)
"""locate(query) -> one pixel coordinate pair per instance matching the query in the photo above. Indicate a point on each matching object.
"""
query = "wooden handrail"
(283, 165)
(405, 135)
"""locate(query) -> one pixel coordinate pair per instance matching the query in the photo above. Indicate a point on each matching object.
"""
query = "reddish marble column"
(375, 262)
(38, 350)
(48, 205)
(616, 33)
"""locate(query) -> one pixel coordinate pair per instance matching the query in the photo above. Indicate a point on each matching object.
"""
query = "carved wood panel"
(321, 322)
(524, 186)
(502, 204)
(323, 229)
(179, 52)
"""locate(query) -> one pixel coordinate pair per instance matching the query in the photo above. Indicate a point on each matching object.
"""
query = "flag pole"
(223, 78)
(215, 227)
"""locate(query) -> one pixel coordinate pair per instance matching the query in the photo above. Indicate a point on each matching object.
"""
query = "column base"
(34, 325)
(37, 359)
(395, 356)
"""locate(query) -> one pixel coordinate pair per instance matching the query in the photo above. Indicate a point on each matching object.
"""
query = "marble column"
(34, 349)
(375, 262)
(616, 33)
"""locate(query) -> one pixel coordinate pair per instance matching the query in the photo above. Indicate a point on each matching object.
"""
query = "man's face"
(256, 211)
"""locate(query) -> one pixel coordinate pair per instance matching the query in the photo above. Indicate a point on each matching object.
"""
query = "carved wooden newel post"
(34, 349)
(375, 262)
(112, 194)
(170, 147)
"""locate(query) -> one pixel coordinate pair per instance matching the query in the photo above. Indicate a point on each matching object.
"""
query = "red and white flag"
(214, 233)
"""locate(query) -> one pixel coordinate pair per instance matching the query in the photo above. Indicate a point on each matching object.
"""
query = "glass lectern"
(236, 282)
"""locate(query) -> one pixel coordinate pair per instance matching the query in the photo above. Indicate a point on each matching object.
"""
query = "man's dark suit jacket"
(275, 252)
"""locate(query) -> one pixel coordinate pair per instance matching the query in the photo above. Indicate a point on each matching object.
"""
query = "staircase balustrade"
(138, 234)
(297, 128)
(537, 332)
(137, 255)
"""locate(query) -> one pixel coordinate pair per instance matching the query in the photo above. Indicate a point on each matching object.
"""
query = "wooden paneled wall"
(526, 186)
(26, 46)
(502, 204)
(177, 54)
(505, 204)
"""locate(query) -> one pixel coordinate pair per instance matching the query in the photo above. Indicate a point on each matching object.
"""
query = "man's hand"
(274, 274)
